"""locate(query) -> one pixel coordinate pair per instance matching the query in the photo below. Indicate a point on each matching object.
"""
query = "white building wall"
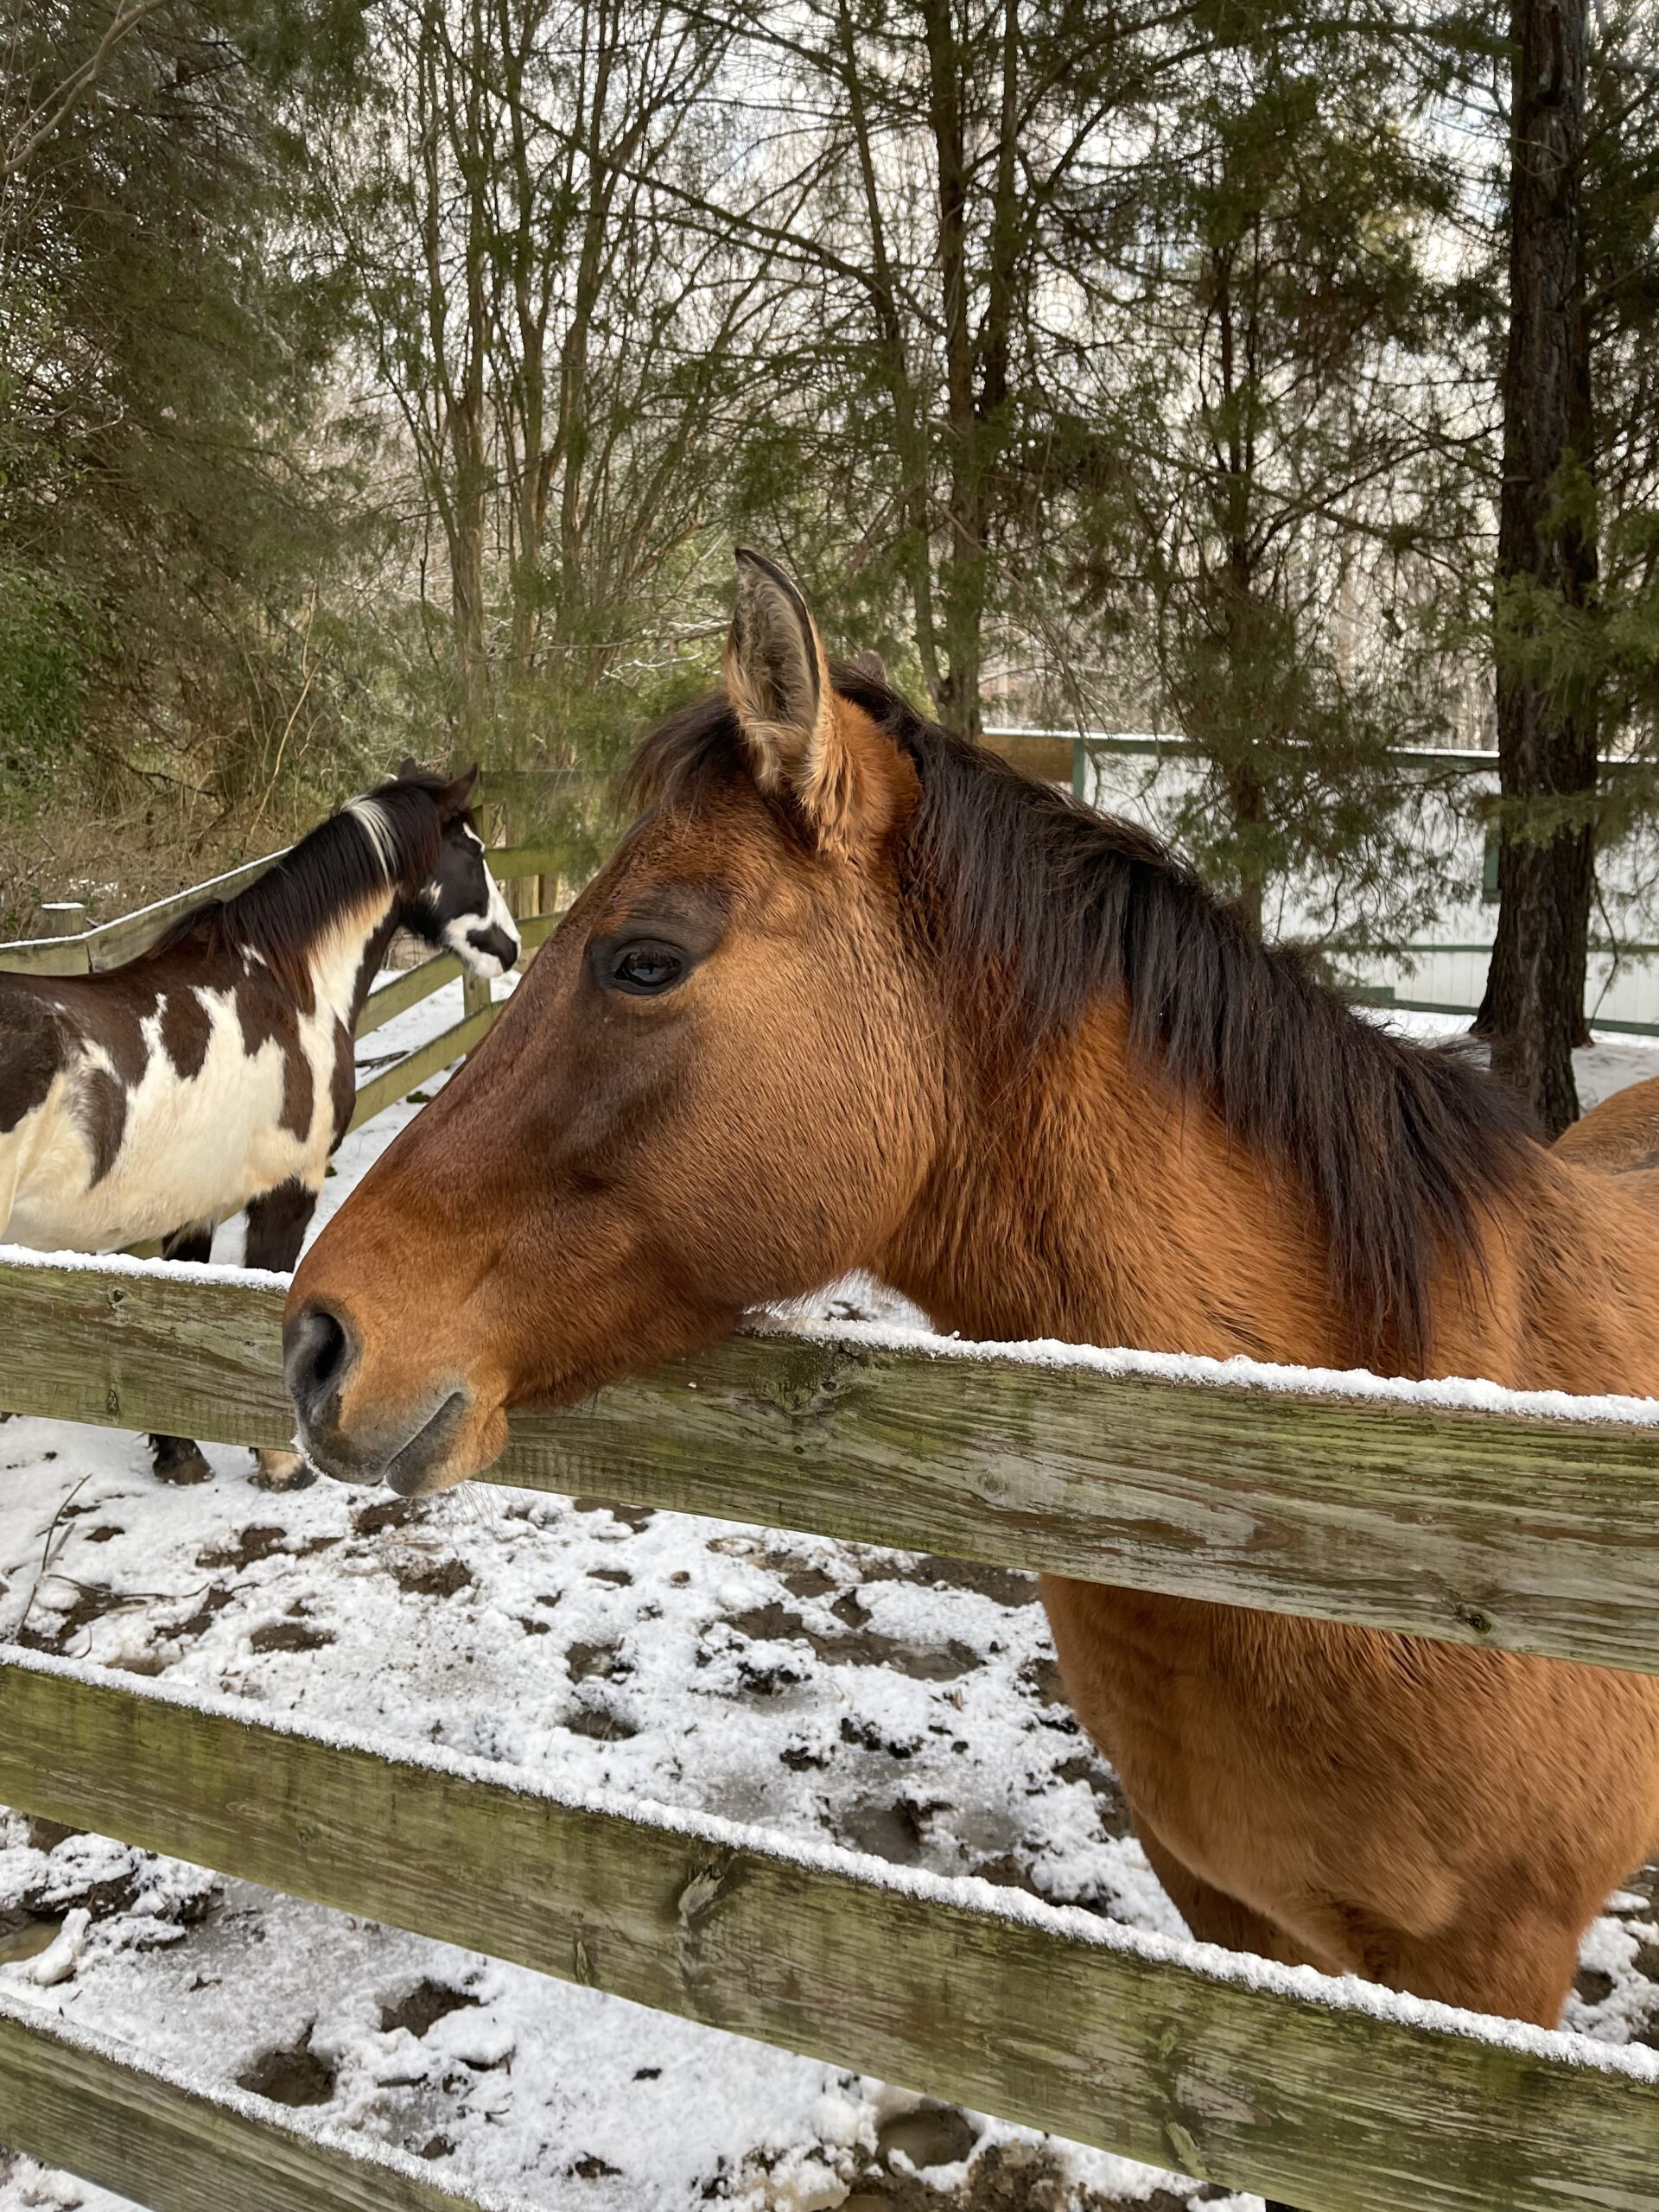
(1447, 968)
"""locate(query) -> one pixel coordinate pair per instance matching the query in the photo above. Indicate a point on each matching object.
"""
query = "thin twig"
(46, 1556)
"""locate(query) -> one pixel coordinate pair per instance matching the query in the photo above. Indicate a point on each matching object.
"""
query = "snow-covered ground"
(908, 1707)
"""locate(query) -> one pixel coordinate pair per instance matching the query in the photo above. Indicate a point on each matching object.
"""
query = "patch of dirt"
(219, 1595)
(295, 2077)
(634, 1516)
(45, 1835)
(92, 1601)
(103, 1535)
(754, 1680)
(934, 2135)
(591, 2168)
(256, 1541)
(1003, 2177)
(1111, 1805)
(436, 1578)
(618, 1577)
(387, 1513)
(59, 1891)
(62, 1885)
(1004, 1586)
(582, 1661)
(868, 1737)
(859, 1647)
(1594, 1986)
(809, 1582)
(895, 1829)
(26, 1934)
(290, 1635)
(601, 1727)
(427, 2004)
(1007, 1872)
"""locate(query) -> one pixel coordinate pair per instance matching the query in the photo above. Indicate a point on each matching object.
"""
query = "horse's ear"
(411, 768)
(778, 680)
(870, 663)
(453, 798)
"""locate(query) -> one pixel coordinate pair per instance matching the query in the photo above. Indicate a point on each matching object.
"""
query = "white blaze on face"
(460, 932)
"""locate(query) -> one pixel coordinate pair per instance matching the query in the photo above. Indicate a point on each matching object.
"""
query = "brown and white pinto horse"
(853, 994)
(217, 1070)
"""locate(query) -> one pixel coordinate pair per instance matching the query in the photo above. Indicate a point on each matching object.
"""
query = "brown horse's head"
(712, 1088)
(853, 992)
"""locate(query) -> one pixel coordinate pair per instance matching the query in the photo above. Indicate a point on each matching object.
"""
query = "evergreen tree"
(167, 521)
(1258, 495)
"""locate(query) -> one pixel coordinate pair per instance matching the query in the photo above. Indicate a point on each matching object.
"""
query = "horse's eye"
(646, 968)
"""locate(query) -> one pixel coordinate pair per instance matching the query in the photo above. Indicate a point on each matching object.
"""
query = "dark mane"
(1032, 906)
(334, 868)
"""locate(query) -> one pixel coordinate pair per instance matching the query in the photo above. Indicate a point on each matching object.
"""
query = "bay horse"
(217, 1070)
(852, 992)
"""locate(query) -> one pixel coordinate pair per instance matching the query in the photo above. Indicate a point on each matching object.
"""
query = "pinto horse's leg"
(277, 1226)
(178, 1458)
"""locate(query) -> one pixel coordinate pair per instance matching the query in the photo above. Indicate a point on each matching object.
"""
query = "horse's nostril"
(317, 1356)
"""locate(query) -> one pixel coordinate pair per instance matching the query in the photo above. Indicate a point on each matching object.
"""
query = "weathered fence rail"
(148, 2131)
(1529, 1534)
(1268, 2081)
(1337, 2099)
(89, 952)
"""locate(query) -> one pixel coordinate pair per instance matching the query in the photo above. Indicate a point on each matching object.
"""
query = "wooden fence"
(1489, 1527)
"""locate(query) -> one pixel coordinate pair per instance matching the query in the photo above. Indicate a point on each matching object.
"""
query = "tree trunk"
(1533, 1011)
(961, 572)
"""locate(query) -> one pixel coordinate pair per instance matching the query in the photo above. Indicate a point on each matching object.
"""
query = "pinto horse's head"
(457, 906)
(714, 1087)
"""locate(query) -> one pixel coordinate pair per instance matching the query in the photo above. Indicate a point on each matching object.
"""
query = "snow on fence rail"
(1452, 1509)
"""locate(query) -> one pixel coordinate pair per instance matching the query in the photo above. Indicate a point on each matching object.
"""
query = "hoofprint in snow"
(828, 1694)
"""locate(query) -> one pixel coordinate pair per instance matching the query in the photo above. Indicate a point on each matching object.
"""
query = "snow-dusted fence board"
(1529, 1530)
(440, 1052)
(406, 991)
(148, 2132)
(110, 943)
(1338, 2098)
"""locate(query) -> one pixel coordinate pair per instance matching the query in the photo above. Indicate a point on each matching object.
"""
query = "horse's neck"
(345, 958)
(1090, 1204)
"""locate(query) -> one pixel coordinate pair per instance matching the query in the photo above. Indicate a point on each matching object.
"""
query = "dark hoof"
(281, 1471)
(178, 1460)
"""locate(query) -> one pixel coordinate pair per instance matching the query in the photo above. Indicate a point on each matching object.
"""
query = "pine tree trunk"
(1533, 1007)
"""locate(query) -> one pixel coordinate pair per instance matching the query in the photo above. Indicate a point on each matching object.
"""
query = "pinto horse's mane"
(390, 838)
(1031, 906)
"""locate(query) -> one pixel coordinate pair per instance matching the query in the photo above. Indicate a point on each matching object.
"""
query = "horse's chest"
(1185, 1725)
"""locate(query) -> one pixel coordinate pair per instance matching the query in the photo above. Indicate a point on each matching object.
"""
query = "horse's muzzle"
(410, 1447)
